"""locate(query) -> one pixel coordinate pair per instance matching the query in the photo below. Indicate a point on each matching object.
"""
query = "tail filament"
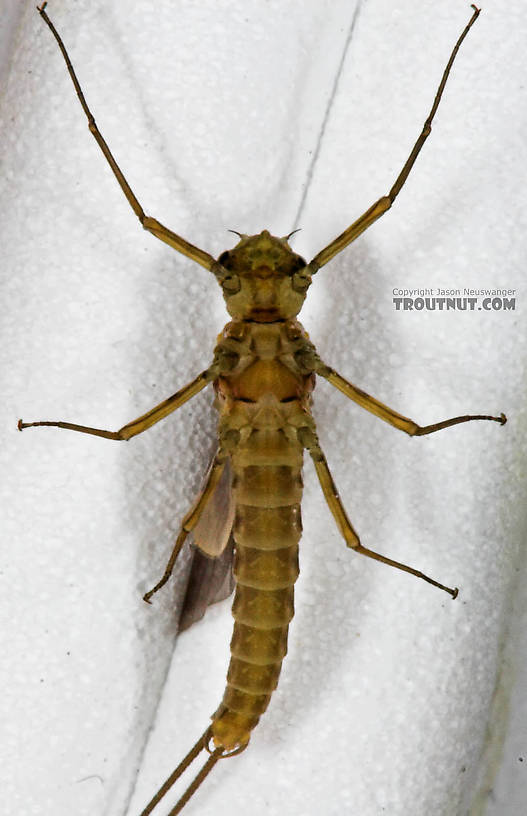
(201, 744)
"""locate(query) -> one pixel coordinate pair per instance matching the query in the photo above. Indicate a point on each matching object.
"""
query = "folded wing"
(211, 579)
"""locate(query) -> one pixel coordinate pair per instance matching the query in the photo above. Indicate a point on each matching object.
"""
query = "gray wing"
(211, 579)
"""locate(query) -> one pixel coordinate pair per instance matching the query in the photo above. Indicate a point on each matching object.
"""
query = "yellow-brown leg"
(388, 414)
(143, 422)
(383, 204)
(191, 518)
(150, 224)
(310, 441)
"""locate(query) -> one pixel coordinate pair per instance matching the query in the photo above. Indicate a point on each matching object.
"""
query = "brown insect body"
(263, 400)
(263, 372)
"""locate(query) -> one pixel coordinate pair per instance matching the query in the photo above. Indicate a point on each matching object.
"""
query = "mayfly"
(246, 524)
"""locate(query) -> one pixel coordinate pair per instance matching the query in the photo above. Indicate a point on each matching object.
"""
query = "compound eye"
(224, 258)
(297, 264)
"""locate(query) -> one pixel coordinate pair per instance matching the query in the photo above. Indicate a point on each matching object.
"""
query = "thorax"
(265, 389)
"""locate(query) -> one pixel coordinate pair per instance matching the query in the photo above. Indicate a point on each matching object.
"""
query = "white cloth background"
(393, 699)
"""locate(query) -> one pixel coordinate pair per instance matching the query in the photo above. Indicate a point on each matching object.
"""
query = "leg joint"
(309, 440)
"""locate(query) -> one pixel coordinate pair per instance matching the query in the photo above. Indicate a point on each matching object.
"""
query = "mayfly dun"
(245, 525)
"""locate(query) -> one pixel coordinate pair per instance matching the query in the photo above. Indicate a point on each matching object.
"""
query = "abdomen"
(267, 485)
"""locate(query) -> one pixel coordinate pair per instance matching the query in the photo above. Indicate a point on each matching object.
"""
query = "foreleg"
(383, 204)
(150, 224)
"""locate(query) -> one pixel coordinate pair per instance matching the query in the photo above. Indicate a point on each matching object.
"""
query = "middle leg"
(374, 406)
